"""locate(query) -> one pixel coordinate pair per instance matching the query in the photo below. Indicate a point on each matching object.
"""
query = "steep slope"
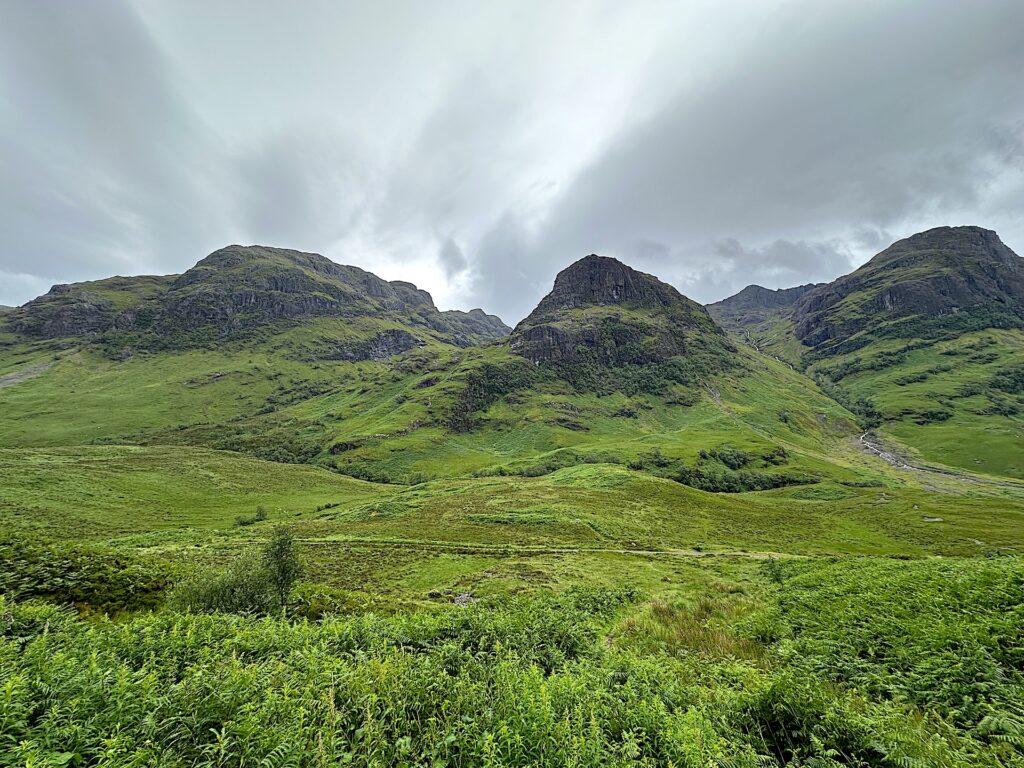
(943, 281)
(606, 327)
(238, 291)
(763, 318)
(926, 340)
(601, 311)
(635, 367)
(85, 309)
(755, 306)
(612, 365)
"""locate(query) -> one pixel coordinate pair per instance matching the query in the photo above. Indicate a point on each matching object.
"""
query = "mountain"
(85, 309)
(926, 341)
(617, 439)
(945, 280)
(289, 357)
(755, 305)
(236, 291)
(601, 311)
(760, 316)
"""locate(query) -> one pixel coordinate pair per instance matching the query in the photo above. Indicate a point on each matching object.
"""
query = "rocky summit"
(602, 311)
(755, 304)
(916, 286)
(237, 290)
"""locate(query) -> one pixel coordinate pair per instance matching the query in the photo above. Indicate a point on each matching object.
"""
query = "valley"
(630, 527)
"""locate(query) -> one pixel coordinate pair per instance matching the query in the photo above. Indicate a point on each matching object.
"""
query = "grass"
(537, 590)
(939, 398)
(101, 492)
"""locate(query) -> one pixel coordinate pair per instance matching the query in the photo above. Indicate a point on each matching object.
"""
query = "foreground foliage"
(538, 681)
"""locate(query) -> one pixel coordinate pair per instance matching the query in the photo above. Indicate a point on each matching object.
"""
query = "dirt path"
(24, 374)
(517, 550)
(869, 445)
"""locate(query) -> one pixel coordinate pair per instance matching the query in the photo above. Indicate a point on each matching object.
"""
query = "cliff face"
(602, 311)
(239, 289)
(755, 305)
(84, 309)
(926, 277)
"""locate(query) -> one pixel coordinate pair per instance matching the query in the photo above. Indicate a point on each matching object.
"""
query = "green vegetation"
(799, 674)
(338, 527)
(955, 401)
(251, 585)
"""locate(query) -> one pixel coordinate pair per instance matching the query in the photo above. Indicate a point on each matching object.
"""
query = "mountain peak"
(759, 297)
(756, 304)
(920, 281)
(601, 280)
(237, 290)
(975, 243)
(601, 310)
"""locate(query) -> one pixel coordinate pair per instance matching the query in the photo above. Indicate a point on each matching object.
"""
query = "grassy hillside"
(958, 402)
(617, 538)
(100, 492)
(924, 342)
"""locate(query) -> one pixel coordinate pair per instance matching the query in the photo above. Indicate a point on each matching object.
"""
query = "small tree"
(282, 563)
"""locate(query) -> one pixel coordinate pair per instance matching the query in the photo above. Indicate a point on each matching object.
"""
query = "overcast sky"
(476, 148)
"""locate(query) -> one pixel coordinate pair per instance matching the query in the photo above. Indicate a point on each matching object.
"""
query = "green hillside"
(614, 535)
(924, 342)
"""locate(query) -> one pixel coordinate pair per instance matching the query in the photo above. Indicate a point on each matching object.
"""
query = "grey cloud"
(452, 259)
(841, 118)
(507, 278)
(104, 163)
(482, 148)
(301, 190)
(779, 263)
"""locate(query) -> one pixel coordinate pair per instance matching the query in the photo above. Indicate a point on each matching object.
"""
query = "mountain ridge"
(235, 289)
(935, 273)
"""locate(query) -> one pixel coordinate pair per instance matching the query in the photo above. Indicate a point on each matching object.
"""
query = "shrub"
(245, 588)
(80, 574)
(254, 584)
(258, 517)
(731, 457)
(282, 563)
(1010, 379)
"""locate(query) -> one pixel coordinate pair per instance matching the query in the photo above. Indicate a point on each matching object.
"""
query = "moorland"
(279, 511)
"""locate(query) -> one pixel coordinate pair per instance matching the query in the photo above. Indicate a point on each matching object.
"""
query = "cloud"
(839, 121)
(779, 263)
(451, 257)
(105, 166)
(14, 287)
(477, 149)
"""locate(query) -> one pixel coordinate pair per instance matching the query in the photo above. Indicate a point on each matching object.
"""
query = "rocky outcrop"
(84, 309)
(382, 346)
(925, 279)
(238, 290)
(602, 312)
(601, 281)
(238, 286)
(66, 311)
(473, 327)
(755, 305)
(754, 298)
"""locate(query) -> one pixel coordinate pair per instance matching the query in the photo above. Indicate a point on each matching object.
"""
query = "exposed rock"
(601, 311)
(933, 274)
(472, 327)
(385, 344)
(84, 309)
(755, 305)
(237, 290)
